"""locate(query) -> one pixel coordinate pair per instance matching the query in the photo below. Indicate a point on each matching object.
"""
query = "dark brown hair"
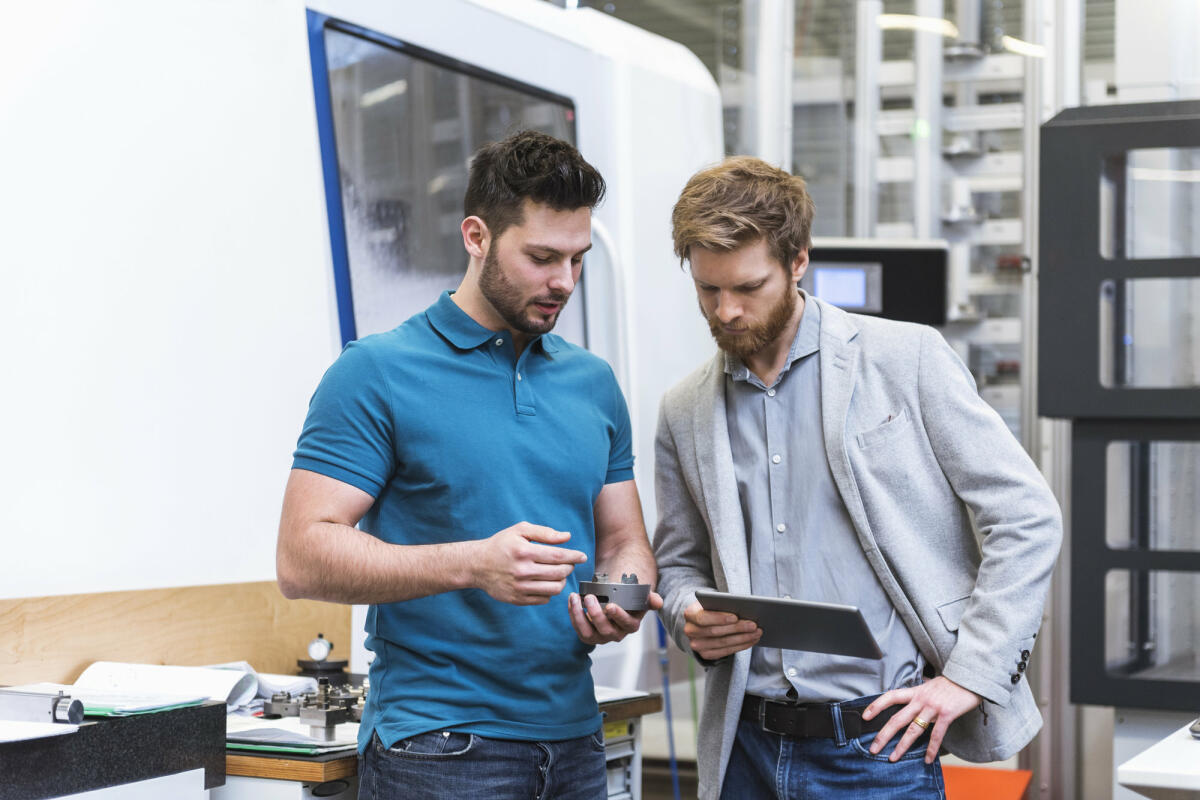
(528, 165)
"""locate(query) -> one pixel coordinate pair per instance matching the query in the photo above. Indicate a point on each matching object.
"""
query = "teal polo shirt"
(457, 438)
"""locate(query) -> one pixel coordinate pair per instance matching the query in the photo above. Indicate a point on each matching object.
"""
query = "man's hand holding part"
(598, 624)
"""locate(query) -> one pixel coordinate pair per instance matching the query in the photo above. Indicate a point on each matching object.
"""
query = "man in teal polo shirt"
(490, 464)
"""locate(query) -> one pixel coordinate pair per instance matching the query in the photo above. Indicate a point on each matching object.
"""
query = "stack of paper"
(285, 735)
(609, 694)
(107, 688)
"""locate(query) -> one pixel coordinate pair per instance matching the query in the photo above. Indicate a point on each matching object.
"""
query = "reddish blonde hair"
(739, 201)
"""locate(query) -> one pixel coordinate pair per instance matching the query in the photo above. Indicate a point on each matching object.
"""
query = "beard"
(511, 305)
(757, 335)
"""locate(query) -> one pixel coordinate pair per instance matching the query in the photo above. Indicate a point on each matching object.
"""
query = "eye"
(541, 259)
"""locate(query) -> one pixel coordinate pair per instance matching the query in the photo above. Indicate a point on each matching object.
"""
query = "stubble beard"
(749, 342)
(511, 305)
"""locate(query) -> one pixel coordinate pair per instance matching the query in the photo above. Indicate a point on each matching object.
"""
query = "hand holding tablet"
(799, 624)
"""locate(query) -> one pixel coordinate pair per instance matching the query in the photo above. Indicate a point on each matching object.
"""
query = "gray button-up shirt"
(801, 540)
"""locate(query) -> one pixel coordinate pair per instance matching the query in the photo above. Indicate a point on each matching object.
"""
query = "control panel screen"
(854, 287)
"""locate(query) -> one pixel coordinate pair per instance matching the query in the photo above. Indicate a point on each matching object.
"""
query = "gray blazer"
(955, 520)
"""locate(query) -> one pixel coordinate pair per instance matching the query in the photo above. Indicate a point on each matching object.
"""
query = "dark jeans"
(768, 766)
(448, 765)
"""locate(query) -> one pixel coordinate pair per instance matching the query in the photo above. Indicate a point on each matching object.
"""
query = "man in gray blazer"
(834, 457)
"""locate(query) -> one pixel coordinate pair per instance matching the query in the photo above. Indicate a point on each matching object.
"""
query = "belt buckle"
(781, 726)
(762, 715)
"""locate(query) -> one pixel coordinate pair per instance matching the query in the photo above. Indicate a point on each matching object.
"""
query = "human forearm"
(338, 563)
(621, 542)
(626, 555)
(321, 555)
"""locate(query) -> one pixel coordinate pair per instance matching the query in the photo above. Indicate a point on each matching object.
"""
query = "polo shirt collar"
(457, 327)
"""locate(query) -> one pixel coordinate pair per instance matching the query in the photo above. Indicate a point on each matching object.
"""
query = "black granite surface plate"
(109, 751)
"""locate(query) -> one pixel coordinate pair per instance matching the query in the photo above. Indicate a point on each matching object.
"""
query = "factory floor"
(656, 780)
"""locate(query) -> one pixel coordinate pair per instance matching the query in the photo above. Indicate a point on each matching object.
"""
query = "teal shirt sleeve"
(620, 457)
(349, 432)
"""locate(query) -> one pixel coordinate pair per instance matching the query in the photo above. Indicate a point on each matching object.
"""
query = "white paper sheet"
(269, 683)
(288, 731)
(11, 731)
(109, 702)
(232, 687)
(607, 694)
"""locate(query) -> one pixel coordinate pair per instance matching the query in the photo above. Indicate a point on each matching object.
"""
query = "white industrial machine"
(169, 298)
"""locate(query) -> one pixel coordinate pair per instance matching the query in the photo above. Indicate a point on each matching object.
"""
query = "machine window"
(1149, 204)
(405, 123)
(1150, 333)
(1152, 625)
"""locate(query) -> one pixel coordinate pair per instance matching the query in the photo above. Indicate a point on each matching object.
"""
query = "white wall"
(166, 302)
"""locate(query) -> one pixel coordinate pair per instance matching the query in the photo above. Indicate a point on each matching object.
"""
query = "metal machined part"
(628, 594)
(325, 708)
(282, 704)
(23, 706)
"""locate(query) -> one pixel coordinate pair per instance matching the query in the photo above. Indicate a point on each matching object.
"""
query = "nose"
(728, 309)
(563, 278)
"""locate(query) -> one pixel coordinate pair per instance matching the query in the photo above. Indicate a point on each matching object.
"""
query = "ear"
(476, 237)
(800, 265)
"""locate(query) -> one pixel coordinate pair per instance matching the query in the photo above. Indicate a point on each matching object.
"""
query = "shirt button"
(770, 392)
(781, 527)
(791, 672)
(775, 459)
(499, 342)
(787, 597)
(518, 376)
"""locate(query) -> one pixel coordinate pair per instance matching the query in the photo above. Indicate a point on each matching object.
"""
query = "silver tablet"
(799, 624)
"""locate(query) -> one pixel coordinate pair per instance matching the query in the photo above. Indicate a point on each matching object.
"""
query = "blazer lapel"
(839, 367)
(717, 480)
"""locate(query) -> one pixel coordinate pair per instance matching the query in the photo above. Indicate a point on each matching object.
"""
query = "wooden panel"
(288, 769)
(631, 709)
(55, 638)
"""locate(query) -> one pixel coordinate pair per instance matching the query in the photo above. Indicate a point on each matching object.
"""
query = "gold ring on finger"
(920, 723)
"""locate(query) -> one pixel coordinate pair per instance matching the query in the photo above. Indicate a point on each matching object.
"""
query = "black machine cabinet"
(1119, 356)
(1135, 564)
(1114, 180)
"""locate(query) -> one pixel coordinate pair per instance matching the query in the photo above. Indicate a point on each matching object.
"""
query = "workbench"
(262, 776)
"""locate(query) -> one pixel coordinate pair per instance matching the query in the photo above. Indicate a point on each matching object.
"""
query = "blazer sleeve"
(1014, 512)
(681, 541)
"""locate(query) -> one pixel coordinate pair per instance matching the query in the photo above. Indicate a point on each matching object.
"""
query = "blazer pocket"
(882, 433)
(951, 613)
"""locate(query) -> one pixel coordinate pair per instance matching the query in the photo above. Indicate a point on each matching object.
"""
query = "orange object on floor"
(985, 783)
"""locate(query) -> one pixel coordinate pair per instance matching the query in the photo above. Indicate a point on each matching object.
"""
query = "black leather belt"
(811, 720)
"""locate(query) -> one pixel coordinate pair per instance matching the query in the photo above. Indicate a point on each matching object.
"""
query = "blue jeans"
(766, 766)
(448, 765)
